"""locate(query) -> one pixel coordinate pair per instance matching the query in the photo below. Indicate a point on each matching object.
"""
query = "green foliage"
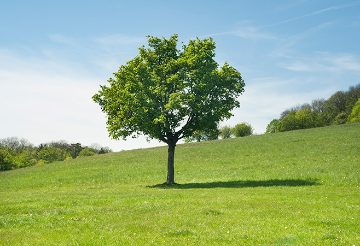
(50, 154)
(163, 89)
(170, 94)
(7, 159)
(272, 126)
(225, 132)
(289, 123)
(355, 114)
(87, 152)
(335, 104)
(242, 130)
(18, 153)
(203, 136)
(75, 150)
(292, 188)
(340, 119)
(353, 95)
(334, 111)
(305, 118)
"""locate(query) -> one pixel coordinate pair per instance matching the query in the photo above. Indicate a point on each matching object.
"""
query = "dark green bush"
(242, 130)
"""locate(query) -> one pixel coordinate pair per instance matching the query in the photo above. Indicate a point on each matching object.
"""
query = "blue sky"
(55, 54)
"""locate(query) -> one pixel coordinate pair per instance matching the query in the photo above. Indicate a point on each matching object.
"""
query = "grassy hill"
(292, 188)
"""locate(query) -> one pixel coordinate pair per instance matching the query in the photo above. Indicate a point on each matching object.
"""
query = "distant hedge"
(342, 107)
(17, 153)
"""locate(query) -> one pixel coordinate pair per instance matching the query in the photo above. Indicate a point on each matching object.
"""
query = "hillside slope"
(295, 188)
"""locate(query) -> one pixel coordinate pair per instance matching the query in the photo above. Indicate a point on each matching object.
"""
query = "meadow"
(290, 188)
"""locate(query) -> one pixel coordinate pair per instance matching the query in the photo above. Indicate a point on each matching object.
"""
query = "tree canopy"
(340, 108)
(169, 94)
(18, 153)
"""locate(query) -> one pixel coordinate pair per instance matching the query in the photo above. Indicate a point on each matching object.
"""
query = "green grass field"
(292, 188)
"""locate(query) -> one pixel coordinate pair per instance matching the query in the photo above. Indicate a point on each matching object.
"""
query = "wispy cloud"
(286, 43)
(59, 38)
(344, 62)
(53, 97)
(324, 62)
(117, 39)
(250, 32)
(269, 96)
(246, 32)
(253, 32)
(341, 6)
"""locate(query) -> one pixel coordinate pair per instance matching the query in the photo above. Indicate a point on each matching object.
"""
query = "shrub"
(289, 123)
(87, 152)
(272, 126)
(305, 118)
(242, 130)
(203, 136)
(355, 114)
(225, 132)
(340, 119)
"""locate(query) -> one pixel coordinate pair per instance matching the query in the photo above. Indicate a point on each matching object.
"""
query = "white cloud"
(297, 66)
(265, 98)
(246, 32)
(323, 62)
(47, 100)
(343, 62)
(117, 39)
(335, 7)
(250, 32)
(59, 38)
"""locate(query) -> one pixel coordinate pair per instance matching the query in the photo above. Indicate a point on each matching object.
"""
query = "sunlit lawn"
(293, 188)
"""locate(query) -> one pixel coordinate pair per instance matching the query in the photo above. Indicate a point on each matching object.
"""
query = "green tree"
(75, 149)
(355, 114)
(272, 126)
(50, 154)
(203, 136)
(225, 132)
(317, 105)
(7, 159)
(340, 119)
(288, 123)
(352, 97)
(87, 152)
(305, 118)
(242, 130)
(335, 105)
(170, 94)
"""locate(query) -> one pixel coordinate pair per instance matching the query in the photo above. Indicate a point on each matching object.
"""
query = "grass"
(292, 188)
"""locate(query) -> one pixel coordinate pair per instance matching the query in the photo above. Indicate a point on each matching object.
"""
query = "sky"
(54, 55)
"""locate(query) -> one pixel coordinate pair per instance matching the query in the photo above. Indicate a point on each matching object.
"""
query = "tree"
(305, 118)
(289, 123)
(355, 114)
(352, 97)
(242, 130)
(87, 152)
(340, 119)
(272, 126)
(75, 150)
(317, 105)
(335, 104)
(170, 94)
(203, 136)
(7, 150)
(50, 154)
(225, 132)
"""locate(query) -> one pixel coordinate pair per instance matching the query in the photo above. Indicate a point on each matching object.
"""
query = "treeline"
(239, 130)
(17, 153)
(341, 108)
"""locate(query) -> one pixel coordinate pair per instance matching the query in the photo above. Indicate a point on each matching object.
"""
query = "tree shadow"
(241, 184)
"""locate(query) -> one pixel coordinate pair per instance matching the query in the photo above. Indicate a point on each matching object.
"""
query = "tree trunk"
(170, 172)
